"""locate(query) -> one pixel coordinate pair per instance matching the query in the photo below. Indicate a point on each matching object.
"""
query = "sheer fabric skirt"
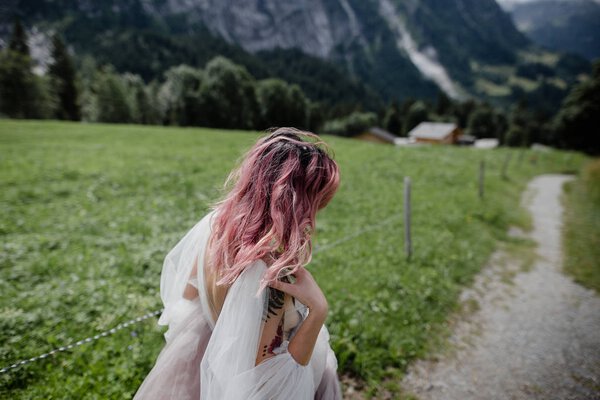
(176, 373)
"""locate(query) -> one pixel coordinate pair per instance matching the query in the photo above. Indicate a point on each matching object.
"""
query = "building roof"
(382, 134)
(432, 130)
(487, 143)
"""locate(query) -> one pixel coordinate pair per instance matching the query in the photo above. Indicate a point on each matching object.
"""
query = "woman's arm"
(306, 290)
(302, 344)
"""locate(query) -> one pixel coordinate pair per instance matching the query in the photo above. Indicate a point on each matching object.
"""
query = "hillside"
(566, 26)
(373, 50)
(370, 38)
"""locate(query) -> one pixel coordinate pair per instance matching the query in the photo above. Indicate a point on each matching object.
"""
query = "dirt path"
(535, 336)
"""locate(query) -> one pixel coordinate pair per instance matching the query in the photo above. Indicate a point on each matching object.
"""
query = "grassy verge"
(88, 213)
(581, 228)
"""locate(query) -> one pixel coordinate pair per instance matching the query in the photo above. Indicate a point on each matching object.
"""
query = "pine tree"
(482, 122)
(298, 107)
(417, 113)
(281, 104)
(520, 128)
(576, 125)
(18, 41)
(228, 96)
(22, 93)
(444, 105)
(63, 76)
(112, 101)
(392, 121)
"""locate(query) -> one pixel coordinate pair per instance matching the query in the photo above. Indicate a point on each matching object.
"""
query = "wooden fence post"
(505, 165)
(481, 177)
(522, 154)
(407, 238)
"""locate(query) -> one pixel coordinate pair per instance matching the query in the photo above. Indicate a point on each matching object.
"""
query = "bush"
(350, 125)
(281, 104)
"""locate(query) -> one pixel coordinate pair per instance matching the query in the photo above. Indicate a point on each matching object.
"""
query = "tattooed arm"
(306, 290)
(303, 342)
(273, 320)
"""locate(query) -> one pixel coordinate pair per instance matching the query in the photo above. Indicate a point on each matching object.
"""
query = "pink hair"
(282, 182)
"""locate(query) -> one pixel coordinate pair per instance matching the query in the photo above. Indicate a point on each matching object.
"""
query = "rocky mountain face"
(438, 38)
(395, 48)
(316, 27)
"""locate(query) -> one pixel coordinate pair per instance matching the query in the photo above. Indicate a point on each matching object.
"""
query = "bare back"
(276, 326)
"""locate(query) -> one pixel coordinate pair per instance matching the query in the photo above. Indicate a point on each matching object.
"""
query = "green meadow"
(89, 211)
(581, 230)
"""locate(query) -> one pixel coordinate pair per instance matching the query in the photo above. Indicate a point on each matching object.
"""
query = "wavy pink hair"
(283, 180)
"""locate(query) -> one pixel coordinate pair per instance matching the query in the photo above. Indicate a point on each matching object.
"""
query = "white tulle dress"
(215, 360)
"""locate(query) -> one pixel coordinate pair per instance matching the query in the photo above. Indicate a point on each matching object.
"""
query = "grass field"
(90, 211)
(581, 230)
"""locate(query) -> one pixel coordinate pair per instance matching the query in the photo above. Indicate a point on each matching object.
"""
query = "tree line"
(574, 126)
(222, 95)
(225, 95)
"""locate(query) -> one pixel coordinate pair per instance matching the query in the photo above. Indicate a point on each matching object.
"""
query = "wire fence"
(318, 249)
(82, 341)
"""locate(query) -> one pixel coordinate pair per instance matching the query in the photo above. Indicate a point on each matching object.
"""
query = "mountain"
(126, 35)
(391, 45)
(567, 26)
(510, 4)
(364, 51)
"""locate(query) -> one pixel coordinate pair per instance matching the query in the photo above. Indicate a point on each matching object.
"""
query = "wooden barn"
(435, 132)
(377, 135)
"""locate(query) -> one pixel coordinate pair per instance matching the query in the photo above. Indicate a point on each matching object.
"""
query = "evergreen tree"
(151, 115)
(463, 111)
(18, 40)
(501, 127)
(112, 101)
(16, 85)
(22, 93)
(516, 136)
(273, 100)
(228, 96)
(316, 116)
(281, 104)
(406, 105)
(134, 87)
(63, 76)
(576, 125)
(417, 113)
(298, 107)
(88, 73)
(179, 96)
(520, 127)
(444, 105)
(351, 125)
(482, 123)
(392, 120)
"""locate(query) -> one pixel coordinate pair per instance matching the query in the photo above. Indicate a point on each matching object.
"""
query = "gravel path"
(536, 336)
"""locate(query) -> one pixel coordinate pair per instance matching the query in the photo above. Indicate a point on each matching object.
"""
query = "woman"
(246, 319)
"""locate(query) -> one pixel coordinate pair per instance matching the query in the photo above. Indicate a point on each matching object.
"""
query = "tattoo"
(278, 339)
(275, 302)
(276, 342)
